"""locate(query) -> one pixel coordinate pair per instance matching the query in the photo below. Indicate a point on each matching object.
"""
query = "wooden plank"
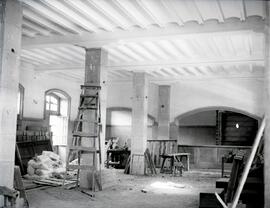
(18, 185)
(233, 178)
(248, 164)
(248, 134)
(54, 182)
(247, 128)
(159, 147)
(127, 167)
(149, 161)
(240, 123)
(239, 119)
(237, 138)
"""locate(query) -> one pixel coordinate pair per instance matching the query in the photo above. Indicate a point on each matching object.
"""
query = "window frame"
(52, 112)
(46, 113)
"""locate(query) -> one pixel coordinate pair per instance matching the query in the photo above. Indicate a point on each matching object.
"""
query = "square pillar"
(164, 92)
(10, 47)
(139, 122)
(95, 74)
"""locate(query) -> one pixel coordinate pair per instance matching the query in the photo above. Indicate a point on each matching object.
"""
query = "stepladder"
(85, 145)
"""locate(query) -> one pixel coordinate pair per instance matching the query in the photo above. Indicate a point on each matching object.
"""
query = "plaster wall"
(197, 135)
(195, 129)
(120, 95)
(36, 84)
(245, 95)
(242, 94)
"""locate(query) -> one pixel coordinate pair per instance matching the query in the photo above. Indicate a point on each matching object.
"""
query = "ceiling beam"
(109, 12)
(148, 12)
(150, 65)
(100, 39)
(124, 6)
(50, 14)
(70, 14)
(35, 27)
(168, 5)
(28, 14)
(91, 14)
(258, 59)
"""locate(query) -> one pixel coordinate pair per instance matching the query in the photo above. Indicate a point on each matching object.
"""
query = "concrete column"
(10, 46)
(95, 74)
(139, 122)
(154, 130)
(267, 112)
(164, 111)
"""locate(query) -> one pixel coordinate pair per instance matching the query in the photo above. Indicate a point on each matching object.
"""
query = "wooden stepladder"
(86, 137)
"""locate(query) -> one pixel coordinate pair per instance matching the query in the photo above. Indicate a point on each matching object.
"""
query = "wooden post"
(267, 110)
(248, 165)
(219, 127)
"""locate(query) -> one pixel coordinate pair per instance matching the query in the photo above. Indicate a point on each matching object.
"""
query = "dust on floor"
(131, 192)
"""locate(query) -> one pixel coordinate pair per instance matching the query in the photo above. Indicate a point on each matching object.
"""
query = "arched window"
(53, 104)
(57, 109)
(57, 103)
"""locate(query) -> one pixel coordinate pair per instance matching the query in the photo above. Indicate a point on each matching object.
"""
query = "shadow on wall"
(195, 129)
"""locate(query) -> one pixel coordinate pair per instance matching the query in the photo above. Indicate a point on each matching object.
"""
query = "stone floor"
(131, 192)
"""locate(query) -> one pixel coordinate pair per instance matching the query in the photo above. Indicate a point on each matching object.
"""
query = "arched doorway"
(210, 133)
(57, 112)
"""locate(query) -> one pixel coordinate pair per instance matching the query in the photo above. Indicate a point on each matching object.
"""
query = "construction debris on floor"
(161, 190)
(46, 165)
(48, 169)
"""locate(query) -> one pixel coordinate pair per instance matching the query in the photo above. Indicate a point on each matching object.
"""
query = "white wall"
(242, 94)
(36, 84)
(120, 95)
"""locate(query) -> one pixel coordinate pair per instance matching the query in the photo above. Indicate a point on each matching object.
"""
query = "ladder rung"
(87, 108)
(85, 149)
(83, 134)
(89, 96)
(88, 121)
(81, 167)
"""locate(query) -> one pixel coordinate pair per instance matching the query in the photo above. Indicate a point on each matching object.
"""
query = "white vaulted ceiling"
(169, 39)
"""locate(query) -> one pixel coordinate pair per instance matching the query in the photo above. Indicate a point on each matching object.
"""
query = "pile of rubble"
(46, 165)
